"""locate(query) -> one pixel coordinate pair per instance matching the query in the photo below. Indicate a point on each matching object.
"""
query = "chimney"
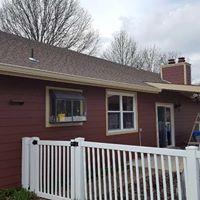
(177, 73)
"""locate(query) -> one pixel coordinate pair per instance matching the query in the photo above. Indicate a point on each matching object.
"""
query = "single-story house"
(58, 94)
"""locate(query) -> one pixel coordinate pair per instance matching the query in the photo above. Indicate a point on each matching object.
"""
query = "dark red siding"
(184, 116)
(29, 120)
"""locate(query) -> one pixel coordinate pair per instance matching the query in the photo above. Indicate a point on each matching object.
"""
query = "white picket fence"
(79, 170)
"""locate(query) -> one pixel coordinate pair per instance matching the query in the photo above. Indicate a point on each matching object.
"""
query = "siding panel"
(29, 120)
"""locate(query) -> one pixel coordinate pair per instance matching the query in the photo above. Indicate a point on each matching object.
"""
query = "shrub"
(16, 194)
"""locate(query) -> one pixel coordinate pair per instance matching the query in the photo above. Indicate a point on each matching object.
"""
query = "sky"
(171, 25)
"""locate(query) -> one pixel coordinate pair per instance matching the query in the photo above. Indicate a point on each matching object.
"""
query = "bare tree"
(124, 50)
(57, 22)
(152, 58)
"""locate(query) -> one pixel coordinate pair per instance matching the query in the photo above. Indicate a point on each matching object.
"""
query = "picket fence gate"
(82, 170)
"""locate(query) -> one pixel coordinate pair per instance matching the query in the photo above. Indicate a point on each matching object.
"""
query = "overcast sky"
(172, 25)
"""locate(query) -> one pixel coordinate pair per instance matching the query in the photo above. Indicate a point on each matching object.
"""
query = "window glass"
(127, 103)
(52, 106)
(113, 103)
(66, 107)
(113, 121)
(128, 120)
(77, 110)
(61, 106)
(61, 110)
(68, 112)
(52, 109)
(121, 112)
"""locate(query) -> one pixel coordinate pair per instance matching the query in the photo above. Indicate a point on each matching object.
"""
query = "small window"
(66, 106)
(121, 112)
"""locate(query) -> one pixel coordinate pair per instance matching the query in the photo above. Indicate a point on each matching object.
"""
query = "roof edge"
(27, 72)
(175, 87)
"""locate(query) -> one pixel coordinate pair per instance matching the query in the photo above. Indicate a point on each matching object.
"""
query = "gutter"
(27, 72)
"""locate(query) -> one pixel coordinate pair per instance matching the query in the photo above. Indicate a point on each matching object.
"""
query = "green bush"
(16, 194)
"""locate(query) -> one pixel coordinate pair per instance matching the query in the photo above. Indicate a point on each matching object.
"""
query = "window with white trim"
(121, 111)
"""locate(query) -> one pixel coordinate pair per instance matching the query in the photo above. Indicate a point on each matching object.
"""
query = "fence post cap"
(26, 140)
(35, 138)
(79, 139)
(192, 148)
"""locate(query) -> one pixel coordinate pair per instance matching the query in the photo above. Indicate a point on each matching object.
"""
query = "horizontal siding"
(4, 164)
(10, 155)
(29, 120)
(11, 171)
(10, 181)
(9, 146)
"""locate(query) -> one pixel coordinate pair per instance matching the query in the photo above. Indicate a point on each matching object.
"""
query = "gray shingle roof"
(16, 50)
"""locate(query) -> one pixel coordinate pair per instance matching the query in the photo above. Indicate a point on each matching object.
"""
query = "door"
(165, 125)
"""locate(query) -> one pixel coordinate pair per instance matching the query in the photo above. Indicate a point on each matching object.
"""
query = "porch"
(173, 118)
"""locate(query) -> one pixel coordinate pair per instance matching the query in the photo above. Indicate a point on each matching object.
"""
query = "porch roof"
(176, 87)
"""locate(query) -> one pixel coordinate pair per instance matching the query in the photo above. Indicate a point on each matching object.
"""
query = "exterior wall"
(28, 120)
(174, 74)
(184, 116)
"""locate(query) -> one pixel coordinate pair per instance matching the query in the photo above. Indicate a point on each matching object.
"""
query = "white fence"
(78, 169)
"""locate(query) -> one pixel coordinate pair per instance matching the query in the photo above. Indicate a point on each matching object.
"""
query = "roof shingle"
(16, 50)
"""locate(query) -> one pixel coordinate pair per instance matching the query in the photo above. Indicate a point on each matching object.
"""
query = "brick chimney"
(177, 73)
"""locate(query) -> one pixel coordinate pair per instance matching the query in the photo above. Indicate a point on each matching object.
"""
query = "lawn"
(17, 194)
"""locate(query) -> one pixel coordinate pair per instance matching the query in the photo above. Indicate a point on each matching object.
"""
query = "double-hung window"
(122, 114)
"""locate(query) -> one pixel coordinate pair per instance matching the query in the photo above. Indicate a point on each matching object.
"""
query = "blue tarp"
(196, 133)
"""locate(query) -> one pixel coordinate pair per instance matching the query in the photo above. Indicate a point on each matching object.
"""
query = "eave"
(27, 72)
(176, 87)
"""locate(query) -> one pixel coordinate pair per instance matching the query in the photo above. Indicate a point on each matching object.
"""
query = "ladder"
(196, 127)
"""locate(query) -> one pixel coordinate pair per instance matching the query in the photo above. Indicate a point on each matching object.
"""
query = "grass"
(17, 194)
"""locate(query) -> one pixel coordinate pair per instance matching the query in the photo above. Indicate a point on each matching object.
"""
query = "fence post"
(192, 179)
(34, 164)
(72, 189)
(79, 170)
(25, 181)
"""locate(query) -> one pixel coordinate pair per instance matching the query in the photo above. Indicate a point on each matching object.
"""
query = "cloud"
(105, 14)
(174, 27)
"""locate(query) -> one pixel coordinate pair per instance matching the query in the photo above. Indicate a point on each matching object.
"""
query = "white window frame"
(171, 106)
(122, 130)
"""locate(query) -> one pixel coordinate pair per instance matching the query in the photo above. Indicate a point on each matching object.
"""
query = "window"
(121, 112)
(66, 106)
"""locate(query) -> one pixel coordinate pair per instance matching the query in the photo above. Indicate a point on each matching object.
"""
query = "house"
(54, 93)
